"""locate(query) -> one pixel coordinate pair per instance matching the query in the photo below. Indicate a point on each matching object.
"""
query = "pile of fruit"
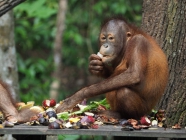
(84, 116)
(81, 116)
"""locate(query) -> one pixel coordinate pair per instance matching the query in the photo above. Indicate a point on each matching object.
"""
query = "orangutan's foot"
(11, 119)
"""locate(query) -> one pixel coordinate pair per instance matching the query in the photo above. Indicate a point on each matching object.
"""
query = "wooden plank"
(105, 130)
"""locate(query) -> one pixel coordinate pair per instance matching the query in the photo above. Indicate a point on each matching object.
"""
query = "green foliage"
(35, 26)
(33, 81)
(68, 137)
(30, 24)
(34, 41)
(92, 106)
(78, 137)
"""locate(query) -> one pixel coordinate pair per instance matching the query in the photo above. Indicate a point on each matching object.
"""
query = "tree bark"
(166, 22)
(55, 86)
(6, 5)
(8, 65)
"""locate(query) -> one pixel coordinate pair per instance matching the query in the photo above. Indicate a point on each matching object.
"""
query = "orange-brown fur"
(136, 71)
(154, 85)
(8, 108)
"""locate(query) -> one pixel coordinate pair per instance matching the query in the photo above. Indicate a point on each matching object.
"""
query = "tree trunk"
(55, 86)
(166, 22)
(6, 5)
(8, 65)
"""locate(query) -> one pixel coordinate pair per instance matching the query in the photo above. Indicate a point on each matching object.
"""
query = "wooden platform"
(105, 130)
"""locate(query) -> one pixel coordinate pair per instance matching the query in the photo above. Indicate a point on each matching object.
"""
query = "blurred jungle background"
(35, 32)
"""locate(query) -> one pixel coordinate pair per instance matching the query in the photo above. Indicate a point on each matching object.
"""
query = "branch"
(6, 5)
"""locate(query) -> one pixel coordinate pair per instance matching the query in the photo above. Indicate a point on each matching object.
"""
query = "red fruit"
(46, 103)
(91, 119)
(145, 121)
(52, 102)
(49, 103)
(94, 126)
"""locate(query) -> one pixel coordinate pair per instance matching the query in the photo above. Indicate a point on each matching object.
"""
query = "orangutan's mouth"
(103, 55)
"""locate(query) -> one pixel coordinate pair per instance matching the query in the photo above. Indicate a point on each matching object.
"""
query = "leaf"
(63, 115)
(93, 105)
